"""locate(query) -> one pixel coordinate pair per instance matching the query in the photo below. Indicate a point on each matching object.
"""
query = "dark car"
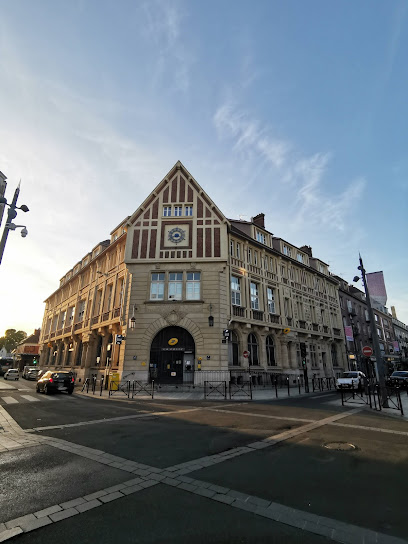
(54, 382)
(399, 378)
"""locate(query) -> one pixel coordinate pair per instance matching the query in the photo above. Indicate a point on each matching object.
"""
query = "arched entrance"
(172, 356)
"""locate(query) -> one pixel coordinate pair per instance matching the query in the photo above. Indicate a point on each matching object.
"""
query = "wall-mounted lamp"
(210, 318)
(132, 321)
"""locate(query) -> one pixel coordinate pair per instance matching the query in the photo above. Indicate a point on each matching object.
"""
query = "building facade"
(190, 292)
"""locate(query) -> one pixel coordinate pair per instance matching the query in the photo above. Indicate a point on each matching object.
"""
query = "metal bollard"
(287, 380)
(276, 387)
(100, 392)
(299, 383)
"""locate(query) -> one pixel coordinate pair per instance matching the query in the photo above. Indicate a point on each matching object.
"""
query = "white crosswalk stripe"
(9, 400)
(30, 398)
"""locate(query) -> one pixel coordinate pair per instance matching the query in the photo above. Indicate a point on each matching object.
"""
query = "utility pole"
(376, 343)
(11, 214)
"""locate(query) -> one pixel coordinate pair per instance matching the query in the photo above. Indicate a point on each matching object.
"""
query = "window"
(253, 350)
(379, 332)
(81, 310)
(376, 318)
(313, 357)
(271, 300)
(231, 248)
(178, 211)
(266, 263)
(193, 285)
(109, 298)
(238, 253)
(349, 307)
(235, 291)
(334, 355)
(71, 312)
(175, 286)
(188, 210)
(260, 236)
(249, 256)
(366, 315)
(63, 317)
(167, 211)
(270, 351)
(157, 286)
(255, 258)
(287, 251)
(254, 296)
(286, 306)
(233, 350)
(299, 257)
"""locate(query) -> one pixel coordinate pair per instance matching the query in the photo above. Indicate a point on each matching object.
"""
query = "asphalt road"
(180, 471)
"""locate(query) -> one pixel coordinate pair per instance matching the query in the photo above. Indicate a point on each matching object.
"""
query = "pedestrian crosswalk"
(20, 399)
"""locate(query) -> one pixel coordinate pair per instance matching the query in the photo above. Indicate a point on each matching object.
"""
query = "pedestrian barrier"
(140, 387)
(215, 389)
(118, 387)
(370, 395)
(241, 389)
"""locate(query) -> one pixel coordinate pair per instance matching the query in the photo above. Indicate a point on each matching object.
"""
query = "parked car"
(54, 382)
(349, 380)
(12, 374)
(399, 378)
(27, 369)
(32, 374)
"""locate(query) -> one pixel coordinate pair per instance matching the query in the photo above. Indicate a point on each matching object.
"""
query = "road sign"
(367, 351)
(246, 354)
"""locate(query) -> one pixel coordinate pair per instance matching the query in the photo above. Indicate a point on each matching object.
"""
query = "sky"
(294, 109)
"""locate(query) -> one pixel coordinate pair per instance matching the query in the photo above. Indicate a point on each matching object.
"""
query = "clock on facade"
(177, 235)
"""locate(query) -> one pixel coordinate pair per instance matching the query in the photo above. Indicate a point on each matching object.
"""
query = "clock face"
(177, 235)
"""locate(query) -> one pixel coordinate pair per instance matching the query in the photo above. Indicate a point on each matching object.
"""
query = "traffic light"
(304, 363)
(34, 361)
(303, 350)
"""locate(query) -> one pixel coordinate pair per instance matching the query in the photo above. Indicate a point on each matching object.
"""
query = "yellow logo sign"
(200, 358)
(173, 341)
(286, 331)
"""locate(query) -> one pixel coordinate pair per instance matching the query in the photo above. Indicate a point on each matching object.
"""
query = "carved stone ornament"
(173, 317)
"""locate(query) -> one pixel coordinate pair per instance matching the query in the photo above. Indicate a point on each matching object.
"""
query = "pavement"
(295, 469)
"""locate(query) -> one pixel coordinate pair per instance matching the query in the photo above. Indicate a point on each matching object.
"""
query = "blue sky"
(295, 109)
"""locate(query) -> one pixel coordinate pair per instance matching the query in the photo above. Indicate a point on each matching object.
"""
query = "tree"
(11, 338)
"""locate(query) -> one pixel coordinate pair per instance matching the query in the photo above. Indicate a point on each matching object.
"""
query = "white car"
(351, 380)
(11, 374)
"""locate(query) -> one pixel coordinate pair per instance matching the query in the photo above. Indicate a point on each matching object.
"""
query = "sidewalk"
(258, 394)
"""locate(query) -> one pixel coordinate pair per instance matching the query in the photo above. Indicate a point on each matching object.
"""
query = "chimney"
(307, 249)
(259, 220)
(393, 312)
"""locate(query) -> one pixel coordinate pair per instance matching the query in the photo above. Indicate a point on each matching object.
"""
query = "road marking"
(9, 400)
(364, 428)
(322, 396)
(30, 398)
(260, 415)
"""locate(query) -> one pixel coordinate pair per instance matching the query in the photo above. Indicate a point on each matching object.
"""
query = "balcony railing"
(325, 329)
(302, 324)
(116, 312)
(95, 320)
(52, 335)
(257, 315)
(336, 332)
(274, 318)
(289, 320)
(59, 332)
(105, 316)
(67, 329)
(238, 311)
(315, 326)
(78, 326)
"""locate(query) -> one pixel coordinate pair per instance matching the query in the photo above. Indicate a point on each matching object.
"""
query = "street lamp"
(12, 214)
(376, 343)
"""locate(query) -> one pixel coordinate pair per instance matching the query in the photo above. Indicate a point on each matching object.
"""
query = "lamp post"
(11, 214)
(376, 343)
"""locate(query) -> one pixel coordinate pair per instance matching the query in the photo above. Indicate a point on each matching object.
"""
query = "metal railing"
(215, 389)
(118, 387)
(142, 387)
(242, 389)
(370, 395)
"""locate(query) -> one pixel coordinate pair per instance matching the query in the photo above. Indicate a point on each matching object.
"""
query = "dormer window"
(178, 211)
(299, 258)
(166, 211)
(260, 236)
(287, 251)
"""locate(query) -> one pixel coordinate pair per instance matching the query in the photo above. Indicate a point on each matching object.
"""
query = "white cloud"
(296, 179)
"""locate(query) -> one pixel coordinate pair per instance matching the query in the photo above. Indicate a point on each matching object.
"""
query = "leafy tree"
(11, 338)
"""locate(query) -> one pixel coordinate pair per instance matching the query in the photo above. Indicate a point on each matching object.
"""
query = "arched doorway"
(172, 356)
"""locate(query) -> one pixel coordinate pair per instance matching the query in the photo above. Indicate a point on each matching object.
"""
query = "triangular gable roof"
(177, 168)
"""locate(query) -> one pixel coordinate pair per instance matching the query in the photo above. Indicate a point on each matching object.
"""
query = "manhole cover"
(342, 446)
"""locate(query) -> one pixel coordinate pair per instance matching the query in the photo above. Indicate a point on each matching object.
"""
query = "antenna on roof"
(241, 216)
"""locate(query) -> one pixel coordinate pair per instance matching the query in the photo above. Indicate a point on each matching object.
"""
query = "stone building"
(193, 294)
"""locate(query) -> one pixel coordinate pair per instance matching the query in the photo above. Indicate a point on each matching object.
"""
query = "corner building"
(187, 275)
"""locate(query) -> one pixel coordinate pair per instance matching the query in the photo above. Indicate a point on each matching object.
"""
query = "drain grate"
(340, 446)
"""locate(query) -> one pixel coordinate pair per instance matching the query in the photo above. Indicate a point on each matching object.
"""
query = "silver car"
(12, 374)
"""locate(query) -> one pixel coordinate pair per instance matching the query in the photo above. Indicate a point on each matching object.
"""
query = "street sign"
(246, 354)
(367, 351)
(226, 333)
